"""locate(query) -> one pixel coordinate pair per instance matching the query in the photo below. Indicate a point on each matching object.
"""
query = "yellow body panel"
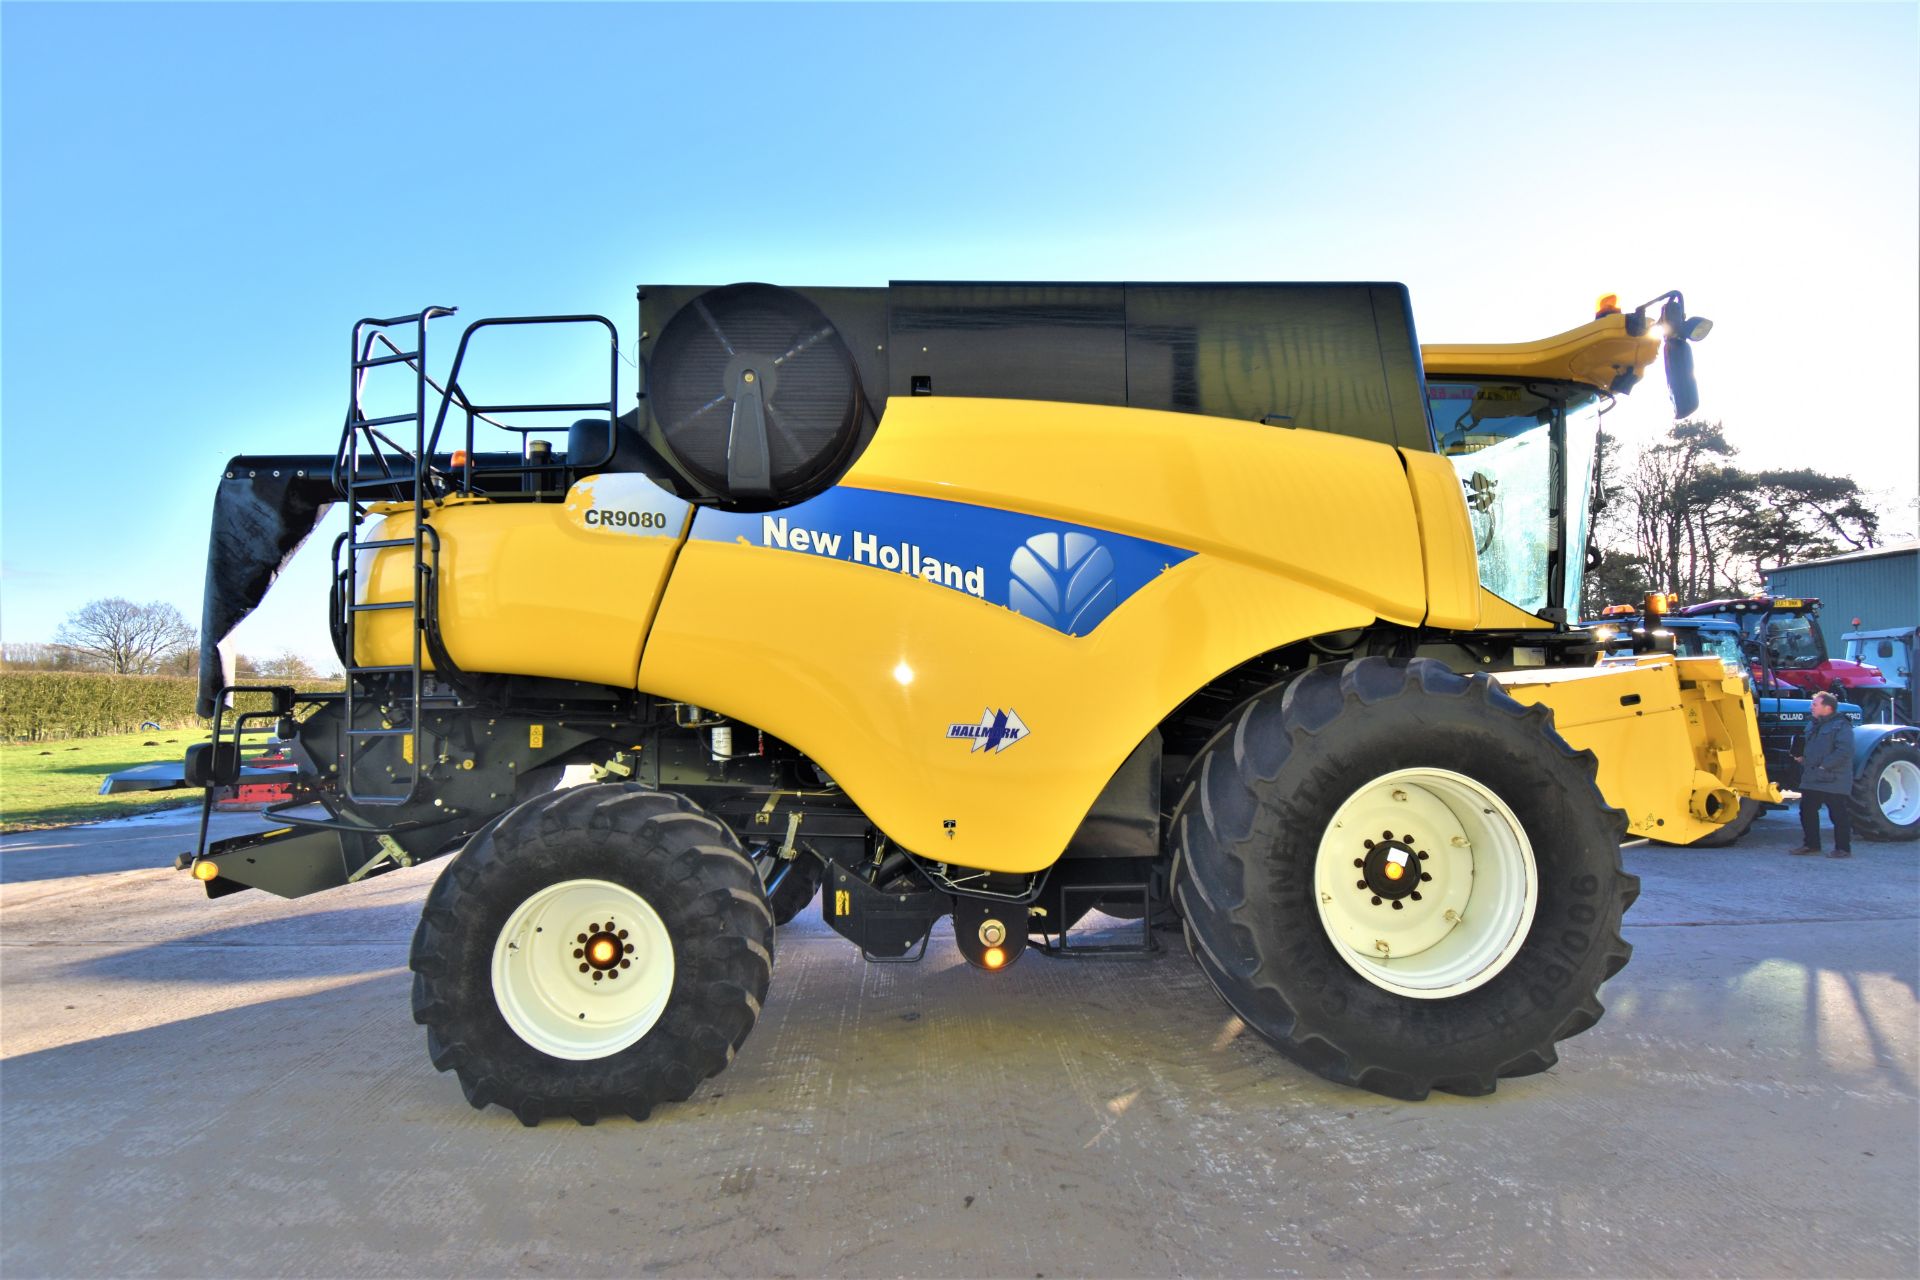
(1323, 510)
(1502, 615)
(1597, 354)
(1677, 739)
(535, 588)
(1446, 542)
(1294, 534)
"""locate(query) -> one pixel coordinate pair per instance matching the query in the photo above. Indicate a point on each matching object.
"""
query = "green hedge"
(37, 705)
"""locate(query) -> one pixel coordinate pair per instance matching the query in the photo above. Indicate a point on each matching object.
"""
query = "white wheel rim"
(565, 1002)
(1477, 885)
(1900, 792)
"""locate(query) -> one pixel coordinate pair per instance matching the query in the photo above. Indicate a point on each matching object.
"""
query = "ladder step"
(388, 420)
(379, 671)
(377, 733)
(365, 799)
(380, 360)
(377, 608)
(383, 542)
(390, 482)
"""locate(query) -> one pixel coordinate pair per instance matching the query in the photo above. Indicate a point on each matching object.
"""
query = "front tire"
(603, 949)
(1886, 795)
(1520, 894)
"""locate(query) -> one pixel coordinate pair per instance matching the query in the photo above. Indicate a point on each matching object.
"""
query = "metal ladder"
(374, 468)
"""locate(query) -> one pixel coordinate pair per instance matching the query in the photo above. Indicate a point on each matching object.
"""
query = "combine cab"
(984, 603)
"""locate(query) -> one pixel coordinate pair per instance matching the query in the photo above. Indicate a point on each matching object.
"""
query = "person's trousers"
(1810, 802)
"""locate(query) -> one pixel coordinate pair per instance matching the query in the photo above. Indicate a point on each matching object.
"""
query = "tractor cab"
(1619, 626)
(1891, 651)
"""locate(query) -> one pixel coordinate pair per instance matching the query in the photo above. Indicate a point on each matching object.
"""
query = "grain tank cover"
(1341, 358)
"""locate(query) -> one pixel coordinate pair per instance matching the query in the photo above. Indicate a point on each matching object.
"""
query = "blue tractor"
(1892, 651)
(1886, 757)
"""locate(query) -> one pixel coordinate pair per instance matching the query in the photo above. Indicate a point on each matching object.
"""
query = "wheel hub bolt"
(1391, 870)
(603, 951)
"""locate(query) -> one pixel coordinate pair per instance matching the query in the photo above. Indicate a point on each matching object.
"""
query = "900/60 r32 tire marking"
(641, 852)
(1247, 837)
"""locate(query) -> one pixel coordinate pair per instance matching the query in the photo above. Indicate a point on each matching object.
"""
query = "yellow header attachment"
(1601, 354)
(1677, 738)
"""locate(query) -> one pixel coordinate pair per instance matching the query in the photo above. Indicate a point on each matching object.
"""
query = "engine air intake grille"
(755, 394)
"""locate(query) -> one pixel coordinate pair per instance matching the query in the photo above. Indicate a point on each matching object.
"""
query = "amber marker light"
(1394, 870)
(603, 952)
(1607, 305)
(204, 870)
(994, 958)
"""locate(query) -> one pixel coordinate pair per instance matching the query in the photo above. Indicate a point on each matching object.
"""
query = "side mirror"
(1677, 356)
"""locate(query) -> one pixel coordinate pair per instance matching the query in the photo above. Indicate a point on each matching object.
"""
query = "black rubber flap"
(755, 395)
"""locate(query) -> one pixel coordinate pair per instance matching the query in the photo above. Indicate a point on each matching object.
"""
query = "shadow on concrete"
(331, 943)
(127, 844)
(146, 842)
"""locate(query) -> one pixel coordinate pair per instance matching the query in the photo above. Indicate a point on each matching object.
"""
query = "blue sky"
(196, 202)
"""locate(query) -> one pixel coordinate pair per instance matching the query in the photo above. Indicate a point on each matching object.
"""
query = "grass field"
(46, 784)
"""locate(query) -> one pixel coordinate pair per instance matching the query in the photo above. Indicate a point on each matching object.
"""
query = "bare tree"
(1688, 519)
(129, 638)
(287, 666)
(34, 656)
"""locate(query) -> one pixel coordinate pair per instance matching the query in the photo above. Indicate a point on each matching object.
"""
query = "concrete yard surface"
(236, 1088)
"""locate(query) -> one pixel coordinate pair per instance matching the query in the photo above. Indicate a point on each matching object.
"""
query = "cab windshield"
(1722, 643)
(1524, 451)
(1794, 641)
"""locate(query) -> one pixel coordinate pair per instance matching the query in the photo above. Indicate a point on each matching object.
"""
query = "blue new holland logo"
(996, 731)
(1066, 577)
(1064, 580)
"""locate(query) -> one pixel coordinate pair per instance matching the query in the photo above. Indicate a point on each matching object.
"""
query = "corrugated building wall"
(1880, 587)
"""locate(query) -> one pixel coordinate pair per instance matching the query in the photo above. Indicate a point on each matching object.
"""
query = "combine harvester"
(989, 602)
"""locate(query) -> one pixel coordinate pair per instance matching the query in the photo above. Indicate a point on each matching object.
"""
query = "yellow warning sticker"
(536, 735)
(406, 747)
(842, 903)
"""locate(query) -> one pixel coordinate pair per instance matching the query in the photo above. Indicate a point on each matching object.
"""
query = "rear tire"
(1750, 811)
(1886, 795)
(652, 990)
(1516, 930)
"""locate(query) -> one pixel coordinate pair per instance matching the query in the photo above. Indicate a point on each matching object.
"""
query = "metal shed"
(1879, 587)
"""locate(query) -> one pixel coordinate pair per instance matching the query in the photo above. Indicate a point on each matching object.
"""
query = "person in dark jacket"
(1826, 777)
